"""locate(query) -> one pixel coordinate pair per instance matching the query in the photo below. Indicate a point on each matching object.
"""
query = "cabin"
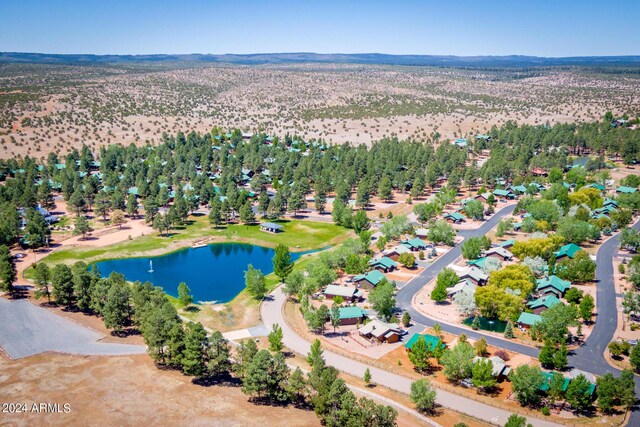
(544, 387)
(596, 186)
(351, 315)
(384, 264)
(475, 275)
(460, 142)
(462, 286)
(552, 285)
(527, 320)
(454, 217)
(395, 252)
(568, 250)
(421, 232)
(626, 190)
(539, 172)
(381, 331)
(507, 243)
(271, 227)
(518, 189)
(484, 196)
(369, 280)
(499, 253)
(504, 194)
(431, 340)
(500, 369)
(483, 137)
(348, 293)
(543, 303)
(414, 244)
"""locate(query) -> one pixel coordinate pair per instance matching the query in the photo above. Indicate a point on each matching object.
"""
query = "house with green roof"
(596, 186)
(517, 226)
(351, 315)
(369, 280)
(477, 262)
(626, 190)
(527, 320)
(547, 382)
(134, 191)
(385, 264)
(568, 250)
(507, 243)
(431, 340)
(454, 217)
(609, 202)
(461, 142)
(503, 193)
(518, 189)
(414, 244)
(483, 136)
(543, 303)
(552, 285)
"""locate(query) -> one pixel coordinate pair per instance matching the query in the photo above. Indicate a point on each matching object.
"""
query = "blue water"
(213, 273)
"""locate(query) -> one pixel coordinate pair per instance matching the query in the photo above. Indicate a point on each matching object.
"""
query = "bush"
(545, 411)
(502, 355)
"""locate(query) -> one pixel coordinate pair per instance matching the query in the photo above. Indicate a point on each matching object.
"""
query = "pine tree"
(546, 355)
(41, 279)
(419, 355)
(282, 262)
(508, 330)
(194, 356)
(275, 339)
(367, 377)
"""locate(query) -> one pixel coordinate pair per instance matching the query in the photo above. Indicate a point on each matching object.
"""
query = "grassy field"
(298, 235)
(243, 310)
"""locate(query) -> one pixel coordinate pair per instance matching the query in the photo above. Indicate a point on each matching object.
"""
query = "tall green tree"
(254, 282)
(117, 308)
(42, 277)
(275, 339)
(282, 262)
(184, 294)
(62, 285)
(194, 356)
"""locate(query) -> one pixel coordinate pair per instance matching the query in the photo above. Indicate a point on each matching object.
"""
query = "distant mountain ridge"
(340, 58)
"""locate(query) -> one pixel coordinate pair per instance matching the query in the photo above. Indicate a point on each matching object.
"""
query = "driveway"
(28, 329)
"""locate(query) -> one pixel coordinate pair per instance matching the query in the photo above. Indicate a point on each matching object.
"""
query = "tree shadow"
(220, 380)
(192, 309)
(127, 332)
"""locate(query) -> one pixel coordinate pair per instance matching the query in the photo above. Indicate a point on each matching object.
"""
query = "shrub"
(502, 355)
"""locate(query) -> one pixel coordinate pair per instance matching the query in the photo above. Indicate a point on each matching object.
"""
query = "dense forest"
(231, 172)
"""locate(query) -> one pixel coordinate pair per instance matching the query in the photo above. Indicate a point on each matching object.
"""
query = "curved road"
(271, 311)
(588, 358)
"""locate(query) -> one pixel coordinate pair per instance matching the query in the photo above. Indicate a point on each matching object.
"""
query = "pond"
(492, 325)
(213, 273)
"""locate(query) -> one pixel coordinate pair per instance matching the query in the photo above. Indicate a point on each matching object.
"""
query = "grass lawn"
(243, 310)
(298, 235)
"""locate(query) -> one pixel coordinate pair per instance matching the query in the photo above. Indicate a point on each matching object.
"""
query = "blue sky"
(462, 27)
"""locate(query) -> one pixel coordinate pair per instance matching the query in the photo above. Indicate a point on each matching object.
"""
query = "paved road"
(404, 297)
(27, 329)
(589, 357)
(271, 311)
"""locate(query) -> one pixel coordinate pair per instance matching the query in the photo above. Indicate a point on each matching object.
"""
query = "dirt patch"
(129, 390)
